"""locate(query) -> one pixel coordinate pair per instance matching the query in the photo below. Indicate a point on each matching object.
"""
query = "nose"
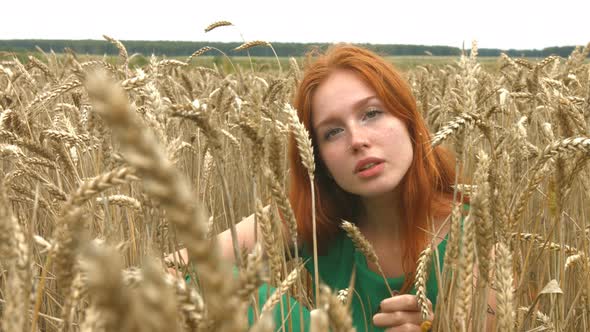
(358, 139)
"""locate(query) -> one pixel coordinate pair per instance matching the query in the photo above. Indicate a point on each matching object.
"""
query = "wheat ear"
(15, 252)
(168, 186)
(251, 276)
(189, 301)
(122, 50)
(43, 67)
(480, 216)
(319, 321)
(504, 283)
(281, 290)
(421, 280)
(217, 24)
(113, 302)
(120, 200)
(198, 52)
(158, 301)
(305, 148)
(465, 280)
(455, 127)
(362, 244)
(340, 318)
(269, 241)
(251, 44)
(558, 148)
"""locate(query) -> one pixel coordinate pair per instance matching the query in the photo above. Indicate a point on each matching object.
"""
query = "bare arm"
(246, 239)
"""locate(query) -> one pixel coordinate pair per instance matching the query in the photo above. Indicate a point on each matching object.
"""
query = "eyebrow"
(356, 105)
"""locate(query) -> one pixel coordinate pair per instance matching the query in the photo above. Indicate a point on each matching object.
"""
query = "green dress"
(335, 269)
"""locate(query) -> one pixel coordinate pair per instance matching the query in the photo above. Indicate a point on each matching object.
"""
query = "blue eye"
(372, 113)
(331, 133)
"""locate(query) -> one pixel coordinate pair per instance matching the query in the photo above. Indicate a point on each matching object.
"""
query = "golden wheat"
(168, 154)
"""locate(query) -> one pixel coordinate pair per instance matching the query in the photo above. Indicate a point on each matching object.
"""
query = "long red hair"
(425, 188)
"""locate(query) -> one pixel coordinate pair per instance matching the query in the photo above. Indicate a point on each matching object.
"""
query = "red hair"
(426, 187)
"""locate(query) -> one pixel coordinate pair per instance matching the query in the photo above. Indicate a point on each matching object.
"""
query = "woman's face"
(365, 148)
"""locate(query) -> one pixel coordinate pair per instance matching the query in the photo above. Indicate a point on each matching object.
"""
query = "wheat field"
(107, 168)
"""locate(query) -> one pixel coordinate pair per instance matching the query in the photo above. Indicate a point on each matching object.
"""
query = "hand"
(174, 260)
(174, 272)
(400, 313)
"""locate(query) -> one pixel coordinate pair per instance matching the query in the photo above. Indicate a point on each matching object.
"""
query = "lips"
(364, 162)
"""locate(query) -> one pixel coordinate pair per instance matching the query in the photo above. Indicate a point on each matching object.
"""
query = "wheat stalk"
(362, 244)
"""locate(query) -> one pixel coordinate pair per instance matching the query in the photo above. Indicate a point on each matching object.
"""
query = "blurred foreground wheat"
(106, 168)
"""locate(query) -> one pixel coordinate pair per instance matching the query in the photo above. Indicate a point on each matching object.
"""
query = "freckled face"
(366, 149)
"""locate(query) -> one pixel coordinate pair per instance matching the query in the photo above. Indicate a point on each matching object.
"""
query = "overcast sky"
(493, 23)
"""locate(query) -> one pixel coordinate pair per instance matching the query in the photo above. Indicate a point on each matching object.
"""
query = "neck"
(381, 215)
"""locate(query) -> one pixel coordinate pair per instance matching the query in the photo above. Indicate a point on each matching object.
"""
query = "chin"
(377, 191)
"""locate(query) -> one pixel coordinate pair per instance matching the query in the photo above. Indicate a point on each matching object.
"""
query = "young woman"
(375, 168)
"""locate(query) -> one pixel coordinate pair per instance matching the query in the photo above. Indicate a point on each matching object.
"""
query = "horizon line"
(280, 42)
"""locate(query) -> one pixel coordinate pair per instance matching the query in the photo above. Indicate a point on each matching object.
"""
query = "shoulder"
(335, 258)
(337, 244)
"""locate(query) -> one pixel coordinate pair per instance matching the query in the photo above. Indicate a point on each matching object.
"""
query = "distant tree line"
(185, 48)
